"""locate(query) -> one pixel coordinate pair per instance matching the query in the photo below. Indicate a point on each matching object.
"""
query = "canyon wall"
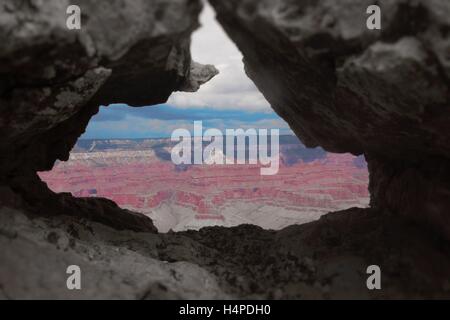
(53, 80)
(383, 93)
(139, 175)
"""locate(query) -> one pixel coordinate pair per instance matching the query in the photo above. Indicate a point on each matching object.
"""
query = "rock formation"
(384, 94)
(339, 85)
(139, 175)
(53, 79)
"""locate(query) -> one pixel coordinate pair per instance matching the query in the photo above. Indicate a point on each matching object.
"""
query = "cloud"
(228, 101)
(231, 88)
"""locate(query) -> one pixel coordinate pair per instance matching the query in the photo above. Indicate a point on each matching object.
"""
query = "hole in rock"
(125, 155)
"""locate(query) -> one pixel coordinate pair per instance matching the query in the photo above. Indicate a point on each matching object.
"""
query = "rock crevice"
(384, 94)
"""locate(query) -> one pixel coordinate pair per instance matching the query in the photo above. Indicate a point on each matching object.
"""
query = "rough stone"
(325, 259)
(383, 93)
(53, 80)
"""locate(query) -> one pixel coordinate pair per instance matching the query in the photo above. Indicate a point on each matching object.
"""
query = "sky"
(229, 101)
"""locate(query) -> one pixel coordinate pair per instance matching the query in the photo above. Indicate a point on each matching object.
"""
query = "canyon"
(381, 93)
(138, 175)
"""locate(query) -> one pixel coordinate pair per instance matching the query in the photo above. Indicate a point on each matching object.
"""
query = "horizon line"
(165, 137)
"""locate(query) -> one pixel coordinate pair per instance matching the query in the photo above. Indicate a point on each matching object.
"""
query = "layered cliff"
(384, 94)
(140, 176)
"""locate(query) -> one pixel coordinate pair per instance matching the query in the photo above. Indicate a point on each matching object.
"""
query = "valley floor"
(227, 195)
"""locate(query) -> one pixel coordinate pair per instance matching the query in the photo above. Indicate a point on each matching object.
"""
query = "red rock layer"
(141, 181)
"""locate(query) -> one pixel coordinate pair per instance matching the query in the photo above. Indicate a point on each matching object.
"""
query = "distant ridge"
(291, 149)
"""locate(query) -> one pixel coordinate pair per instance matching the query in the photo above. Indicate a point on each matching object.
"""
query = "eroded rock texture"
(343, 87)
(53, 80)
(384, 93)
(326, 259)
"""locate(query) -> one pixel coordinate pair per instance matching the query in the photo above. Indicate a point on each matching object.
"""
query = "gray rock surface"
(383, 93)
(53, 80)
(36, 254)
(326, 259)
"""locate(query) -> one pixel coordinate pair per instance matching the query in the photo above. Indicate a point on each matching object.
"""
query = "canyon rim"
(380, 93)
